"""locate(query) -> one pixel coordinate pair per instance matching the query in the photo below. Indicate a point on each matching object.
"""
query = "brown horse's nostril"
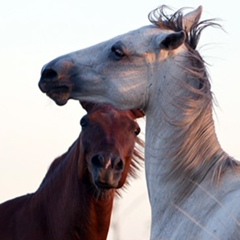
(118, 164)
(97, 161)
(100, 162)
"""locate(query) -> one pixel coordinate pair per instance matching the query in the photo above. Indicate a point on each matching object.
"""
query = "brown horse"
(75, 199)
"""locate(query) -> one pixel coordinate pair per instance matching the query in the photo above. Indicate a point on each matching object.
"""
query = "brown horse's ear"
(88, 106)
(138, 113)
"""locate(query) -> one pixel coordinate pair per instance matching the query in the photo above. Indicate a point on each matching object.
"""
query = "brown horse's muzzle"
(107, 171)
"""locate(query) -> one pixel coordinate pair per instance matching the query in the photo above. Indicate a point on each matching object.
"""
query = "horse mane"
(174, 22)
(136, 163)
(194, 146)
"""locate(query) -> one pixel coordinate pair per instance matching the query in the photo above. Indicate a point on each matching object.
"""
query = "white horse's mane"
(163, 20)
(195, 149)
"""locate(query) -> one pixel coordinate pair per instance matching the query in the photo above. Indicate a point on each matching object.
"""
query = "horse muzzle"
(55, 80)
(107, 172)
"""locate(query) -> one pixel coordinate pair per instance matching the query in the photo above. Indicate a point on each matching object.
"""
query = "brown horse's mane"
(195, 148)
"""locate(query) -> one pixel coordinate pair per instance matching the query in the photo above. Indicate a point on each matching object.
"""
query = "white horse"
(193, 185)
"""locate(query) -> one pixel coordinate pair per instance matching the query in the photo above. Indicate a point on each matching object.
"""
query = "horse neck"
(61, 195)
(97, 217)
(181, 144)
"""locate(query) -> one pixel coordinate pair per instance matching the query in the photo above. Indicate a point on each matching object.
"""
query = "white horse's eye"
(118, 52)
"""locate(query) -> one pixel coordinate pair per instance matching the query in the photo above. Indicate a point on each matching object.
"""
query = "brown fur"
(68, 205)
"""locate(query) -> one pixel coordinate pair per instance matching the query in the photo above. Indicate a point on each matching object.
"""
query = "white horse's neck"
(164, 114)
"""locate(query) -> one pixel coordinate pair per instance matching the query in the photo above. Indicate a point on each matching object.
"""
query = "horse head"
(124, 70)
(108, 139)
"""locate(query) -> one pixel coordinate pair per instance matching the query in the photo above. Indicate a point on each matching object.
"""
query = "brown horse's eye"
(137, 131)
(83, 122)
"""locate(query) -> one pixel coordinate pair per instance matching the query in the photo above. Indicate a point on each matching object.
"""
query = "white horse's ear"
(191, 19)
(173, 40)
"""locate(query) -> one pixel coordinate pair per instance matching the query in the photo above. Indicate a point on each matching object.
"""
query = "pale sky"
(34, 130)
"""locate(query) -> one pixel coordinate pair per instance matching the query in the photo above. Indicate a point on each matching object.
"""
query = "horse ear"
(191, 19)
(173, 40)
(88, 106)
(137, 113)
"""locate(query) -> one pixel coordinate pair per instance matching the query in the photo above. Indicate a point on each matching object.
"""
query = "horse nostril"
(118, 165)
(49, 74)
(100, 162)
(97, 160)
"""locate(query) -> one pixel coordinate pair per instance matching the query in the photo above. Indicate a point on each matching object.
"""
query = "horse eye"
(118, 53)
(83, 122)
(137, 131)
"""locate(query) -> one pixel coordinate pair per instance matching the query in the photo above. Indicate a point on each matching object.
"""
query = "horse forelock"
(163, 20)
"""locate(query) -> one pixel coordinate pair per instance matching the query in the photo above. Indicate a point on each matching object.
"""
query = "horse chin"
(104, 186)
(60, 102)
(59, 96)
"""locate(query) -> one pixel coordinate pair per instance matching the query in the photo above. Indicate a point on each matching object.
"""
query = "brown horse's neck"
(73, 208)
(97, 218)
